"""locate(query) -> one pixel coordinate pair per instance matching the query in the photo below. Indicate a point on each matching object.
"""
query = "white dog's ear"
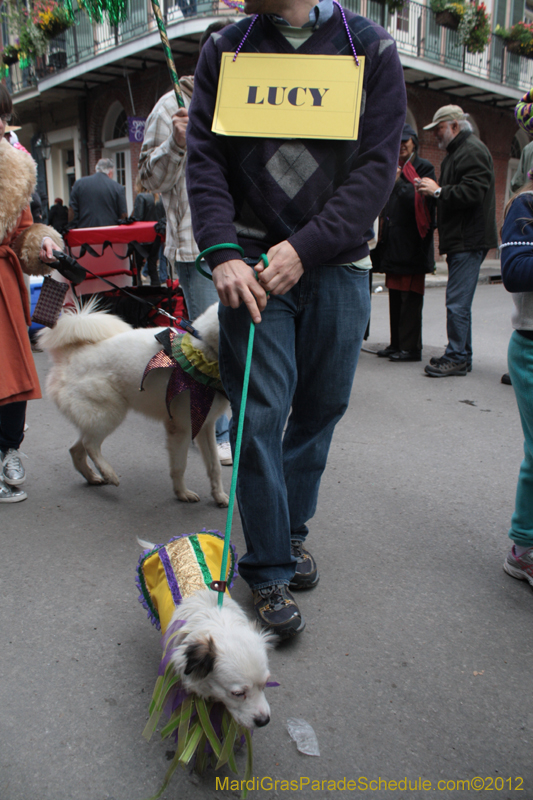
(200, 658)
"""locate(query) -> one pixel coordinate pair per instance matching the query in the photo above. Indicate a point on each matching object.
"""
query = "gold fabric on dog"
(171, 572)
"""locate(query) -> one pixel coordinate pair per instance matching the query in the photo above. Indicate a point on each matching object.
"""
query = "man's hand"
(46, 254)
(284, 269)
(236, 283)
(427, 186)
(179, 126)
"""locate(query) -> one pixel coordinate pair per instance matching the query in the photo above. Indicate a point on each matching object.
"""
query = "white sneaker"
(13, 472)
(224, 453)
(11, 494)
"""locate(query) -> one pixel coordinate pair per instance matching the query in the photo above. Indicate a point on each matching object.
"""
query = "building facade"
(88, 96)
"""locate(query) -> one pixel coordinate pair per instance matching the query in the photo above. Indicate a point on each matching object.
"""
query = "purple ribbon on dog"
(201, 396)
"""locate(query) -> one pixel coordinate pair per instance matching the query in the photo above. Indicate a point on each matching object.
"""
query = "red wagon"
(107, 254)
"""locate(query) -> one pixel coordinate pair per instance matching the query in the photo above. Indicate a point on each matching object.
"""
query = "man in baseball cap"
(466, 220)
(446, 114)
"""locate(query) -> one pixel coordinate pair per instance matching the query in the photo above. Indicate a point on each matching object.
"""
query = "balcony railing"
(414, 28)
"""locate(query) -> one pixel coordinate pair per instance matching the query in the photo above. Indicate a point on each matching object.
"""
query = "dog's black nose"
(261, 721)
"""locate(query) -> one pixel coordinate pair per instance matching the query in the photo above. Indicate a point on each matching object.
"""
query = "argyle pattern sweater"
(321, 195)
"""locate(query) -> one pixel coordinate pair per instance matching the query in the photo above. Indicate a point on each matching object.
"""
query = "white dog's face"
(223, 657)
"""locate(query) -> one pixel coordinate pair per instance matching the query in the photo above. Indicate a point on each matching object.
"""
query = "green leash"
(240, 425)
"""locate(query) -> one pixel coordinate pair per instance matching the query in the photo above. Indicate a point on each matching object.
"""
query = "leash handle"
(226, 246)
(229, 246)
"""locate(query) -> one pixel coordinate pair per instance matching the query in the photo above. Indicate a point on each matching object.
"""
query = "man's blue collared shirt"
(318, 15)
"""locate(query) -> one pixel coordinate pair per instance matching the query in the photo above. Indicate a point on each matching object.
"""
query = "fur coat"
(20, 244)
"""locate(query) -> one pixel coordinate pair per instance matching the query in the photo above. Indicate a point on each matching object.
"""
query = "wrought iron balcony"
(414, 28)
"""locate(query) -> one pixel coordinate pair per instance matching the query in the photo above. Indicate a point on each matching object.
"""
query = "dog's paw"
(221, 499)
(95, 480)
(110, 478)
(186, 496)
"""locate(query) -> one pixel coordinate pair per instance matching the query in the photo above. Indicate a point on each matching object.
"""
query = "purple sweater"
(321, 195)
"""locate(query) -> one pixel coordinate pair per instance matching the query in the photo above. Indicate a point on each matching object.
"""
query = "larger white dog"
(98, 365)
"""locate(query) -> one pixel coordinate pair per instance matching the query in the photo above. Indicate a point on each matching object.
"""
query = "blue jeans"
(305, 354)
(222, 429)
(463, 274)
(199, 292)
(520, 357)
(163, 271)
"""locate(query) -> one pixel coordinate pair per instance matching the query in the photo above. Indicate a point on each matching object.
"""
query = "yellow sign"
(289, 96)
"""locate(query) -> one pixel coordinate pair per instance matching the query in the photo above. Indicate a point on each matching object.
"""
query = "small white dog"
(98, 365)
(218, 652)
(220, 655)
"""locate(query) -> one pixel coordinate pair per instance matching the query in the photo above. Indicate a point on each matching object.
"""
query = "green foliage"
(30, 41)
(474, 28)
(473, 22)
(395, 5)
(456, 9)
(521, 34)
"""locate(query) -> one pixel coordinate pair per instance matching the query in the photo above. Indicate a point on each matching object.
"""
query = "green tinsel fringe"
(115, 10)
(192, 722)
(67, 5)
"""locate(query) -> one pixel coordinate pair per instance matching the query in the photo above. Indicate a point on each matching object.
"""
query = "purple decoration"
(238, 50)
(171, 578)
(136, 127)
(256, 17)
(201, 396)
(347, 30)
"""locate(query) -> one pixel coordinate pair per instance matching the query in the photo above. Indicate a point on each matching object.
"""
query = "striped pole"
(168, 52)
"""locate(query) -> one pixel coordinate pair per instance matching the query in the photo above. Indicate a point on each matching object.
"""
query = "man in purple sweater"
(309, 204)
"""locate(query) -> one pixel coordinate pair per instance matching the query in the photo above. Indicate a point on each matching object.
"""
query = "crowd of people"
(309, 205)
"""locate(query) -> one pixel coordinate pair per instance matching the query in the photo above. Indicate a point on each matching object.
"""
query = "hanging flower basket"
(51, 18)
(448, 19)
(518, 40)
(474, 28)
(10, 55)
(55, 27)
(515, 48)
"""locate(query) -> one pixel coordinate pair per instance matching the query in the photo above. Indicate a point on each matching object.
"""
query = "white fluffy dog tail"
(145, 545)
(81, 325)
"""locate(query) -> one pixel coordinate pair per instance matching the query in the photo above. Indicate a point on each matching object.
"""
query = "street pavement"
(417, 648)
